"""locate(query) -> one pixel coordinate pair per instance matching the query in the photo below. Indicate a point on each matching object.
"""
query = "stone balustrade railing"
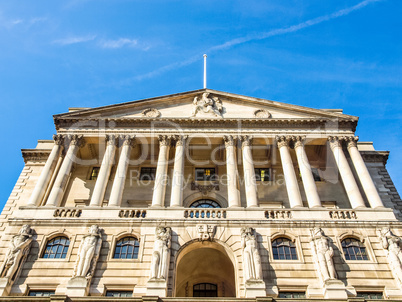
(135, 213)
(342, 214)
(66, 212)
(205, 213)
(278, 214)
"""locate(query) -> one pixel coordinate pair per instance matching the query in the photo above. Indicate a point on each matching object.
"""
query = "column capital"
(229, 140)
(164, 140)
(128, 140)
(352, 141)
(180, 139)
(246, 140)
(283, 141)
(299, 141)
(76, 139)
(111, 139)
(58, 139)
(335, 141)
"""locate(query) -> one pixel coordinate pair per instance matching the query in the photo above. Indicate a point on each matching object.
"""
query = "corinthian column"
(249, 174)
(363, 174)
(44, 178)
(121, 172)
(176, 199)
(104, 172)
(161, 171)
(307, 176)
(289, 172)
(352, 190)
(56, 194)
(231, 171)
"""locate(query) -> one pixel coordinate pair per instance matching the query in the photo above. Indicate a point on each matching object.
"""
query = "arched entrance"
(201, 266)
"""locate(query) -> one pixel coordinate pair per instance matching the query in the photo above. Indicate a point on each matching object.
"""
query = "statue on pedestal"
(161, 253)
(207, 105)
(393, 244)
(323, 253)
(16, 253)
(251, 257)
(88, 253)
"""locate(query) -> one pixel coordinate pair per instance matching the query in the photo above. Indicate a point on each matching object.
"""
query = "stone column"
(352, 190)
(289, 172)
(104, 172)
(231, 171)
(249, 174)
(46, 174)
(176, 199)
(307, 176)
(363, 174)
(56, 194)
(158, 197)
(121, 172)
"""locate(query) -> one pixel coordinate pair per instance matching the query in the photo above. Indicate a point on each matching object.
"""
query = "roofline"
(276, 104)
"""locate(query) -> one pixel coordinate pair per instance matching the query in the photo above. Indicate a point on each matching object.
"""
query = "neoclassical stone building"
(202, 194)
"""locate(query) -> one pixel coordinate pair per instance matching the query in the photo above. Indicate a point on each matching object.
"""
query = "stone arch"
(218, 263)
(211, 195)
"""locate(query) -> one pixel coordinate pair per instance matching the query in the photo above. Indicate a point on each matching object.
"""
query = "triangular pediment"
(204, 103)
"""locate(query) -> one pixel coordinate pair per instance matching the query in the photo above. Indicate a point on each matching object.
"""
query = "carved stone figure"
(393, 244)
(88, 253)
(323, 253)
(16, 253)
(207, 105)
(161, 254)
(205, 232)
(251, 257)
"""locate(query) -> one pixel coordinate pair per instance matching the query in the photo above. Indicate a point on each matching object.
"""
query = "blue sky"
(82, 53)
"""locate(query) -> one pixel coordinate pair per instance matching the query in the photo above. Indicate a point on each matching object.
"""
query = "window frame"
(147, 167)
(41, 290)
(361, 246)
(291, 292)
(220, 207)
(115, 239)
(258, 179)
(363, 239)
(206, 283)
(370, 292)
(120, 291)
(215, 175)
(136, 241)
(294, 247)
(294, 238)
(64, 246)
(46, 238)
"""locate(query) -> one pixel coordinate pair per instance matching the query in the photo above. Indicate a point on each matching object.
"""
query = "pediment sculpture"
(207, 106)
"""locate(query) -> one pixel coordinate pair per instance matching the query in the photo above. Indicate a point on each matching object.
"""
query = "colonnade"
(74, 143)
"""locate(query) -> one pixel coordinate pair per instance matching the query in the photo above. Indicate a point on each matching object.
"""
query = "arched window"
(57, 247)
(127, 248)
(205, 290)
(354, 249)
(284, 249)
(205, 203)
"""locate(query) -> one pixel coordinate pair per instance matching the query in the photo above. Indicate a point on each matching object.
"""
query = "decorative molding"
(246, 140)
(204, 189)
(111, 139)
(76, 139)
(164, 140)
(375, 156)
(207, 105)
(262, 113)
(205, 231)
(151, 112)
(58, 139)
(283, 141)
(180, 139)
(35, 154)
(229, 140)
(352, 141)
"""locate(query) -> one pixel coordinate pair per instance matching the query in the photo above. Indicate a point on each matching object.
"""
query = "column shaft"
(176, 199)
(47, 172)
(364, 175)
(307, 176)
(104, 173)
(352, 190)
(158, 196)
(120, 178)
(249, 173)
(60, 183)
(231, 171)
(292, 187)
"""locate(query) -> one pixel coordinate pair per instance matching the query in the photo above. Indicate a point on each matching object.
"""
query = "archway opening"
(204, 269)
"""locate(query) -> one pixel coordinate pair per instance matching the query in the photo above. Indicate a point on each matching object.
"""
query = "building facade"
(202, 194)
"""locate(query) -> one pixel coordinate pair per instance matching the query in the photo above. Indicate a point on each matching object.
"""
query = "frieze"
(35, 154)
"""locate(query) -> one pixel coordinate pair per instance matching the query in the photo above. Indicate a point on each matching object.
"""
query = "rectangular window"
(148, 173)
(290, 295)
(204, 174)
(94, 173)
(118, 293)
(41, 293)
(316, 175)
(262, 174)
(370, 295)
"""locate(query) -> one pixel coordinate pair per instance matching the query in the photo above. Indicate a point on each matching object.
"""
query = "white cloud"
(119, 43)
(74, 40)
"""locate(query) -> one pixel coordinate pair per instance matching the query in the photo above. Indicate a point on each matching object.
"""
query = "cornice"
(35, 154)
(375, 156)
(338, 123)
